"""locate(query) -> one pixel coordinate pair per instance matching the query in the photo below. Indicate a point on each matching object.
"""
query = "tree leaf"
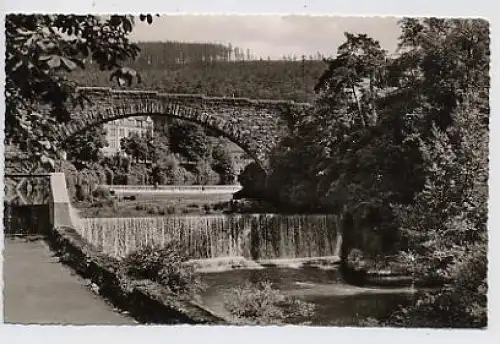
(127, 25)
(54, 61)
(68, 64)
(115, 20)
(44, 57)
(17, 65)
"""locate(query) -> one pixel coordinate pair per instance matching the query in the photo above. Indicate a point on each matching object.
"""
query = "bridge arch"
(226, 130)
(255, 125)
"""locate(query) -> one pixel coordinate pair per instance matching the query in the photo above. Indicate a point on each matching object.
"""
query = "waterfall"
(74, 216)
(253, 236)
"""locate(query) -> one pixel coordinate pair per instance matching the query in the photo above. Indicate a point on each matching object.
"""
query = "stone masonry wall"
(255, 125)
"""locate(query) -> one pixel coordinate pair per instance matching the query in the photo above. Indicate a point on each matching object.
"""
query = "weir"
(256, 237)
(252, 236)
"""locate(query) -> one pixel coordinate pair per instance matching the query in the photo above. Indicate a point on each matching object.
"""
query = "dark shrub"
(207, 208)
(165, 265)
(253, 181)
(81, 193)
(152, 210)
(101, 193)
(106, 203)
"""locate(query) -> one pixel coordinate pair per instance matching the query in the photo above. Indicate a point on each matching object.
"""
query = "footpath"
(38, 289)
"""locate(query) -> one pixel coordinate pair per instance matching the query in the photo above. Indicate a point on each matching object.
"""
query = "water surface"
(337, 303)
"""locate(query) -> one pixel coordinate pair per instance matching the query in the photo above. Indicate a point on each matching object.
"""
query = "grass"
(145, 205)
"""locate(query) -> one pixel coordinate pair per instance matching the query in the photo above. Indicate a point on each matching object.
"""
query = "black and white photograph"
(318, 171)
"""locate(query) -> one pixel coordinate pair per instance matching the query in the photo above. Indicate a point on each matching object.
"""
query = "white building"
(125, 127)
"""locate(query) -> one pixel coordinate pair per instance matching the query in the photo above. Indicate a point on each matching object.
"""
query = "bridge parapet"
(187, 97)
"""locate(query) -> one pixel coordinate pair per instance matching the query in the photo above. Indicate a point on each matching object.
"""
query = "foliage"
(188, 140)
(139, 148)
(101, 192)
(85, 148)
(86, 182)
(408, 133)
(40, 51)
(138, 175)
(253, 181)
(262, 304)
(204, 173)
(446, 227)
(223, 164)
(462, 303)
(165, 265)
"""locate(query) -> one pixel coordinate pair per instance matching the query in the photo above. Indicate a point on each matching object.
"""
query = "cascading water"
(75, 218)
(253, 236)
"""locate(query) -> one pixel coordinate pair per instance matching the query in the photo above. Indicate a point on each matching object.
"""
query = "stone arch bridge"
(255, 125)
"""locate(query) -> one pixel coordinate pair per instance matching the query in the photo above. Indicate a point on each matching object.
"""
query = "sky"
(269, 35)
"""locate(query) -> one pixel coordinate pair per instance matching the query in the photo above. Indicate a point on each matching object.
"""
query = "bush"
(461, 303)
(247, 206)
(253, 180)
(165, 265)
(446, 228)
(101, 193)
(138, 175)
(207, 208)
(152, 210)
(106, 203)
(262, 304)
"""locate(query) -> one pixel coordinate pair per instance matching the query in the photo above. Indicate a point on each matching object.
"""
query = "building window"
(122, 132)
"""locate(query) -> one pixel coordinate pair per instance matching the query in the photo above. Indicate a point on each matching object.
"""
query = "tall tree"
(137, 147)
(85, 148)
(40, 51)
(188, 139)
(223, 164)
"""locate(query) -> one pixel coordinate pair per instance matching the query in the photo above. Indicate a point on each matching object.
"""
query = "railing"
(175, 188)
